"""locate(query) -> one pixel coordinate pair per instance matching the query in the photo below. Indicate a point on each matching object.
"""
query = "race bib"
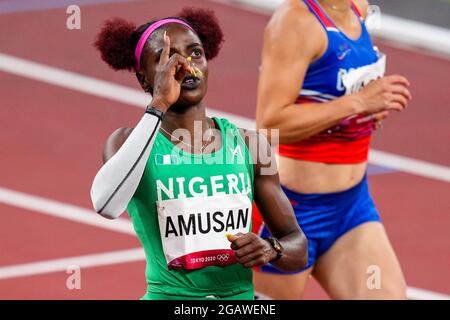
(355, 79)
(193, 230)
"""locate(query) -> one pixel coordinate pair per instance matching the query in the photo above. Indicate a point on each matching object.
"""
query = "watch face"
(277, 245)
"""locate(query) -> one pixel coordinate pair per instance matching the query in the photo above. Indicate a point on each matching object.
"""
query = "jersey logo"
(237, 152)
(342, 55)
(344, 50)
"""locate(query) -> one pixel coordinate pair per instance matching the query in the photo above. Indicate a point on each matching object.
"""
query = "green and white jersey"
(183, 208)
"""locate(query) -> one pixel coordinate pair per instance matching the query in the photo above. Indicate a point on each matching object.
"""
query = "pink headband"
(147, 33)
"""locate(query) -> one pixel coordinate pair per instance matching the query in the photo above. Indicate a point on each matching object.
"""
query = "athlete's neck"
(341, 12)
(337, 5)
(185, 119)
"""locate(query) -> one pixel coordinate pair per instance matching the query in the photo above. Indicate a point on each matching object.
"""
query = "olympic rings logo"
(223, 257)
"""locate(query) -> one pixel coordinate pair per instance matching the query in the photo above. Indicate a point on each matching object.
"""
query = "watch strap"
(154, 111)
(275, 244)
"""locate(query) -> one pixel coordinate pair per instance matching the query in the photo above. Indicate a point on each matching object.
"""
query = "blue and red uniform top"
(345, 67)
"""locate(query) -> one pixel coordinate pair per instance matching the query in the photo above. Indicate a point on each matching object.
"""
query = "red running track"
(52, 141)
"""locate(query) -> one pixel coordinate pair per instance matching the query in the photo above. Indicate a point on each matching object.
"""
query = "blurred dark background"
(435, 12)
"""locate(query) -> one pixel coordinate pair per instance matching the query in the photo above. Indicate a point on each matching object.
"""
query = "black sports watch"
(156, 112)
(276, 245)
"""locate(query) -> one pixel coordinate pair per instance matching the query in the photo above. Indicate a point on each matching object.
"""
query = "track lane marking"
(119, 93)
(85, 261)
(64, 211)
(398, 31)
(90, 217)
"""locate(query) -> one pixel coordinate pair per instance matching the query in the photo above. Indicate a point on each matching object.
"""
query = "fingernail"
(199, 72)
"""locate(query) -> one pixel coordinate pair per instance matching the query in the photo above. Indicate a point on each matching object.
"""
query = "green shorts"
(247, 295)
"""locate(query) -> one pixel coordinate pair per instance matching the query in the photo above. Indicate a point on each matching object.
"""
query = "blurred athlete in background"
(322, 84)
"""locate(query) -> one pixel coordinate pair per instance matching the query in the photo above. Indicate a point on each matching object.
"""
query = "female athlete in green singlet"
(192, 207)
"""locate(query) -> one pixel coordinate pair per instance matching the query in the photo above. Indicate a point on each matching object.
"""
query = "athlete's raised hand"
(251, 250)
(387, 93)
(170, 73)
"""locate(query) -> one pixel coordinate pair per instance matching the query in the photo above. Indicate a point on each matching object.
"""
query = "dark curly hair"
(118, 38)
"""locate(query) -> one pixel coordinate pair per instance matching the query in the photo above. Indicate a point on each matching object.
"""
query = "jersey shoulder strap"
(357, 11)
(322, 16)
(234, 142)
(319, 13)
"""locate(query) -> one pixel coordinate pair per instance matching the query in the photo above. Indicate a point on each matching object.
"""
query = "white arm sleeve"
(118, 179)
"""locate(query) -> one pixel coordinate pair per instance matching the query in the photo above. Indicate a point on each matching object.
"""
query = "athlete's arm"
(118, 179)
(126, 151)
(114, 142)
(363, 7)
(292, 40)
(278, 215)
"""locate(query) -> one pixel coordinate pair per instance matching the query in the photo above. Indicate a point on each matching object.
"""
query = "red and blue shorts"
(324, 218)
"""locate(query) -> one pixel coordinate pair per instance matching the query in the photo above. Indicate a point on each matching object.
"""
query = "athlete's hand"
(385, 94)
(170, 73)
(251, 250)
(378, 119)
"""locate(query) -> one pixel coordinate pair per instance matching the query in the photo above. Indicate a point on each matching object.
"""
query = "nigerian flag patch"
(166, 159)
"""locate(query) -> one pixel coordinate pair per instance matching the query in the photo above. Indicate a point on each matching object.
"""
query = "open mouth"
(190, 82)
